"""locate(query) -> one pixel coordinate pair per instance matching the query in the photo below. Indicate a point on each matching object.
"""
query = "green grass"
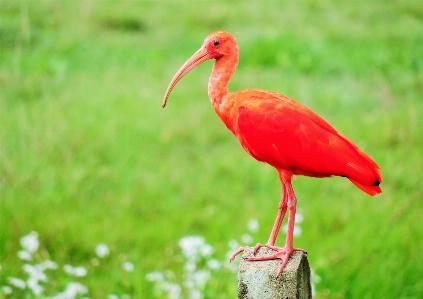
(87, 155)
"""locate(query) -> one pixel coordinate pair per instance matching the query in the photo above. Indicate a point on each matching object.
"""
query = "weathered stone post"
(257, 280)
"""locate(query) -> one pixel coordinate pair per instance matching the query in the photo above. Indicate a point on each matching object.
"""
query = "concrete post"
(257, 280)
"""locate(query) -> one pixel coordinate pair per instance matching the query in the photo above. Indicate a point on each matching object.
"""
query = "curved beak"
(199, 57)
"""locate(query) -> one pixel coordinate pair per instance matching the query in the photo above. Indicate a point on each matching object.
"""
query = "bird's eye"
(216, 43)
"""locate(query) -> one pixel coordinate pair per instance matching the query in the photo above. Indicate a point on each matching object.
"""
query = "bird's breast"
(226, 108)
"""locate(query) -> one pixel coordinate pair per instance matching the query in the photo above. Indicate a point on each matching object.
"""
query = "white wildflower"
(112, 296)
(191, 246)
(195, 294)
(233, 244)
(246, 239)
(314, 277)
(232, 266)
(75, 271)
(80, 271)
(68, 268)
(72, 290)
(32, 284)
(47, 264)
(16, 282)
(102, 250)
(30, 242)
(314, 280)
(34, 272)
(213, 264)
(24, 255)
(128, 266)
(189, 283)
(299, 218)
(206, 250)
(75, 288)
(297, 230)
(155, 276)
(201, 277)
(6, 290)
(253, 225)
(173, 290)
(190, 266)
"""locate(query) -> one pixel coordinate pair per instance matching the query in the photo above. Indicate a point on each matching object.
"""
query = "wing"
(285, 134)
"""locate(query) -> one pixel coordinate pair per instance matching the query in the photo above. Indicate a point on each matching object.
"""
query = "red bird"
(281, 132)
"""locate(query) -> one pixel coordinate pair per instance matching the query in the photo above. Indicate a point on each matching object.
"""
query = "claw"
(299, 249)
(256, 248)
(282, 253)
(240, 249)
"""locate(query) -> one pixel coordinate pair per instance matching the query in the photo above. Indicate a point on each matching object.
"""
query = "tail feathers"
(378, 174)
(364, 164)
(371, 190)
(369, 171)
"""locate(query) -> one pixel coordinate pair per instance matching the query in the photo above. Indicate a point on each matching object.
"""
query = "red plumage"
(285, 134)
(281, 132)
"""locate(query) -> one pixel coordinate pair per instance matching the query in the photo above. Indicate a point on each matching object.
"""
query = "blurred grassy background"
(87, 155)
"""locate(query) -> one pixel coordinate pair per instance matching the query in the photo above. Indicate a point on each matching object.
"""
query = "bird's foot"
(282, 253)
(255, 249)
(273, 247)
(278, 250)
(239, 250)
(268, 245)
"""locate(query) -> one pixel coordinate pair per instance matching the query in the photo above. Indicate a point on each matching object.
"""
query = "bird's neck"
(223, 70)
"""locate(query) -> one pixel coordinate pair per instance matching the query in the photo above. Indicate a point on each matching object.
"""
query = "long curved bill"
(199, 57)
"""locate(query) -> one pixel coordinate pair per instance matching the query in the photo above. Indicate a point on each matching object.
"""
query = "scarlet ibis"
(281, 132)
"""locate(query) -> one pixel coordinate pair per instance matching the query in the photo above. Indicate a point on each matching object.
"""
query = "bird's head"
(215, 46)
(219, 44)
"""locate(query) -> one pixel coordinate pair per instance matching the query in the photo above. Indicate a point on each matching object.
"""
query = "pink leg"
(288, 201)
(279, 217)
(276, 226)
